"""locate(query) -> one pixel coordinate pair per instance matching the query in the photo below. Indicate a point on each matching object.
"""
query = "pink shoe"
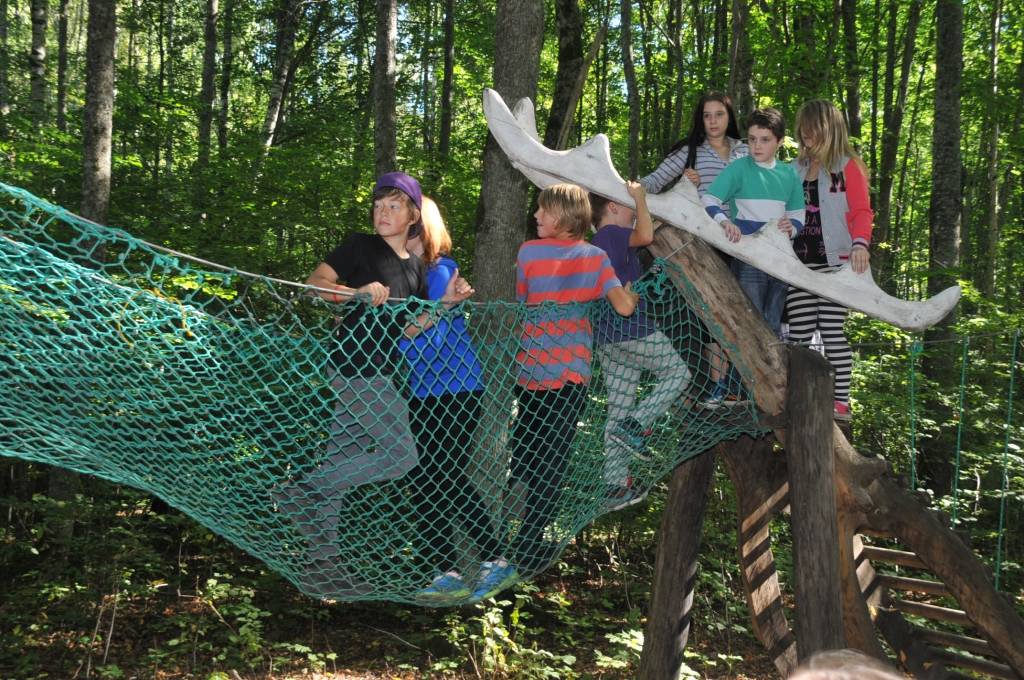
(842, 411)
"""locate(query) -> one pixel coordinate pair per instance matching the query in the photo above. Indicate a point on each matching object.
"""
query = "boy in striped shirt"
(555, 353)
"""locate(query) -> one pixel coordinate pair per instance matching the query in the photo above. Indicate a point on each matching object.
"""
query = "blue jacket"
(442, 357)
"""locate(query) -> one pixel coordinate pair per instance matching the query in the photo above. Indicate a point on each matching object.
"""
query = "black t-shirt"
(809, 244)
(368, 336)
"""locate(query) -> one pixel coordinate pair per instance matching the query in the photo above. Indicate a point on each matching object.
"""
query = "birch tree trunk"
(62, 66)
(225, 80)
(384, 128)
(167, 63)
(425, 92)
(37, 62)
(988, 238)
(287, 18)
(632, 95)
(500, 228)
(208, 88)
(444, 143)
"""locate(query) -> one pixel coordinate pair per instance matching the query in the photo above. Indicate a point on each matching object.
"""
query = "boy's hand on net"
(786, 226)
(732, 232)
(632, 293)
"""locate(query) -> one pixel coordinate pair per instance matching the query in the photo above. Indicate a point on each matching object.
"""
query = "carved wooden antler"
(590, 166)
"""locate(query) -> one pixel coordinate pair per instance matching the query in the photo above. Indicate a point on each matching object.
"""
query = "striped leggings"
(809, 313)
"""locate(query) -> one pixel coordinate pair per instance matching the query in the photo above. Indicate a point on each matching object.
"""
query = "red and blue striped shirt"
(557, 337)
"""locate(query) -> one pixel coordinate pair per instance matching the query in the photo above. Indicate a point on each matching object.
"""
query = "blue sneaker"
(449, 586)
(493, 579)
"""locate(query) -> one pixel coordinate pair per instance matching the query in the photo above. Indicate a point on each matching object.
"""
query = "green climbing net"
(226, 395)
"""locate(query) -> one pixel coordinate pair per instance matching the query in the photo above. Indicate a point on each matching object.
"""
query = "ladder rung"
(875, 533)
(931, 611)
(996, 670)
(912, 585)
(944, 638)
(900, 557)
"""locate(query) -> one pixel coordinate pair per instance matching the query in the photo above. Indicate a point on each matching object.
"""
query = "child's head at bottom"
(568, 207)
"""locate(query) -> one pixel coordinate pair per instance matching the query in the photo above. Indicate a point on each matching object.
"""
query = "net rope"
(357, 464)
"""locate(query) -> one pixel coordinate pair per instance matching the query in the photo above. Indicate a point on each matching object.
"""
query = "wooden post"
(811, 464)
(675, 571)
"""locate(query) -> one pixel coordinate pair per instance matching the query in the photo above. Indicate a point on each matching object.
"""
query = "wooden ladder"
(892, 595)
(882, 586)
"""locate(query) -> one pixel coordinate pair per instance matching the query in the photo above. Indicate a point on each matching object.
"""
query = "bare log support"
(762, 491)
(811, 464)
(675, 570)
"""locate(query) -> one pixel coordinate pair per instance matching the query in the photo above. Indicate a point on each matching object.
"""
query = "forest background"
(248, 132)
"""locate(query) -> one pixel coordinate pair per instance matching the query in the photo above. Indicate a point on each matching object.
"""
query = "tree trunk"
(97, 133)
(5, 106)
(287, 18)
(741, 63)
(808, 63)
(168, 63)
(875, 98)
(298, 57)
(603, 67)
(519, 35)
(632, 95)
(945, 213)
(720, 45)
(363, 38)
(37, 62)
(675, 568)
(852, 59)
(444, 143)
(577, 92)
(62, 66)
(890, 144)
(988, 241)
(679, 68)
(425, 93)
(208, 89)
(97, 127)
(384, 128)
(225, 80)
(570, 63)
